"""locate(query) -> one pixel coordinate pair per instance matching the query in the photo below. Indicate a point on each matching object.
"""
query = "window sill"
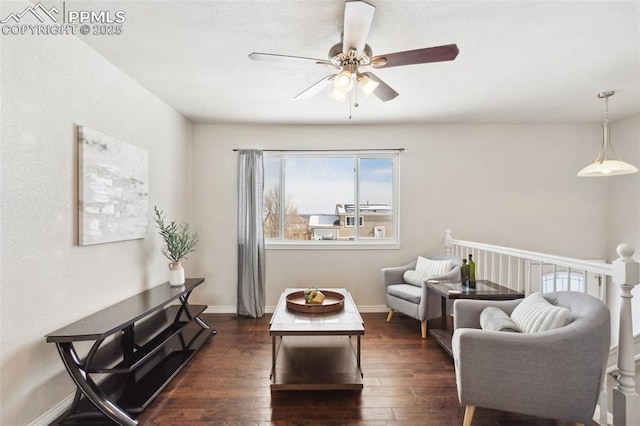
(332, 245)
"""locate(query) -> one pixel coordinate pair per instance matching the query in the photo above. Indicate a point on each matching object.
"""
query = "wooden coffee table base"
(316, 351)
(316, 363)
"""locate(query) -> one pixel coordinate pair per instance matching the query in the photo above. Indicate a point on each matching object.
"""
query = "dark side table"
(484, 290)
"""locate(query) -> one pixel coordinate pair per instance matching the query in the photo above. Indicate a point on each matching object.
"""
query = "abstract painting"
(113, 189)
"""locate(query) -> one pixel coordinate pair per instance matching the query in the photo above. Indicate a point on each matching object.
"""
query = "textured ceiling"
(519, 61)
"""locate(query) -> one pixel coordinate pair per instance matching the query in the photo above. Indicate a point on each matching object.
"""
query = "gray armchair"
(553, 374)
(411, 300)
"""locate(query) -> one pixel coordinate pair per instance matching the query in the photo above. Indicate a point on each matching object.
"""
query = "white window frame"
(355, 242)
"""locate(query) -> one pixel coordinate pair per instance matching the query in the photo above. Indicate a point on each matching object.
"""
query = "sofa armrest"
(466, 312)
(491, 366)
(394, 274)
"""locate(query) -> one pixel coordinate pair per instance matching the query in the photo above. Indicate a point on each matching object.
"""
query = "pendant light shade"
(607, 163)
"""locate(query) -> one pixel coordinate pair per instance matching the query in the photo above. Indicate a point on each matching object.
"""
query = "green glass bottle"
(472, 272)
(464, 273)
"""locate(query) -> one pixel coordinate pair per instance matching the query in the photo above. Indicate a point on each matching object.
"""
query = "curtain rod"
(327, 150)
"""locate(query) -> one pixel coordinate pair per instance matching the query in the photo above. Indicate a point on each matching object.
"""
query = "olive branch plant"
(179, 240)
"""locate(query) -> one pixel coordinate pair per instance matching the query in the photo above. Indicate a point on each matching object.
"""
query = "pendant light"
(607, 163)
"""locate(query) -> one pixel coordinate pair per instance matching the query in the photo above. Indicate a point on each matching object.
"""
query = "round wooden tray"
(333, 301)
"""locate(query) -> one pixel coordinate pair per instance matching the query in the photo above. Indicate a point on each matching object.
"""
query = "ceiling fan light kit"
(353, 53)
(367, 85)
(338, 95)
(343, 81)
(607, 163)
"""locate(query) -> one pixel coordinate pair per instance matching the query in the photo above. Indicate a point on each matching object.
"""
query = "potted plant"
(179, 241)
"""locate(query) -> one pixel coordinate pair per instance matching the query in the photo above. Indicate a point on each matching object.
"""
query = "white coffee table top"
(289, 323)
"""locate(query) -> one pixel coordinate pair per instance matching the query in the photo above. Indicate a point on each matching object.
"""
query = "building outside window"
(350, 221)
(316, 198)
(564, 282)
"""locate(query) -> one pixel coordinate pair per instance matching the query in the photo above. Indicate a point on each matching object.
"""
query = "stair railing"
(529, 271)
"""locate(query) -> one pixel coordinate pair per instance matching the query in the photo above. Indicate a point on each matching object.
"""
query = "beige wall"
(49, 86)
(512, 185)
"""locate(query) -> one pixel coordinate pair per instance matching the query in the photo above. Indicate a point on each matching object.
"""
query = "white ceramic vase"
(176, 274)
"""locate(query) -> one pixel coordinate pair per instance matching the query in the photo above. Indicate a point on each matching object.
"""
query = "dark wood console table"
(148, 341)
(484, 290)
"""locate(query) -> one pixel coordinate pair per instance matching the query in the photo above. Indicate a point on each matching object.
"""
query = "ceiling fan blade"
(315, 88)
(384, 92)
(357, 21)
(287, 58)
(418, 56)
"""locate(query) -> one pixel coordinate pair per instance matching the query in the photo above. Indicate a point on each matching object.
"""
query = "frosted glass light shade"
(608, 163)
(338, 95)
(343, 81)
(367, 85)
(607, 168)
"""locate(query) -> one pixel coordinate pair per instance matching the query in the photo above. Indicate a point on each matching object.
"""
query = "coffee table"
(484, 290)
(314, 351)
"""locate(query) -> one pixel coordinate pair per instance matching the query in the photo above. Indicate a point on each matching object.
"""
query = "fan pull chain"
(350, 98)
(356, 104)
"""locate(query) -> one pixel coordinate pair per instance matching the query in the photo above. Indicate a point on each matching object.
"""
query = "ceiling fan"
(353, 53)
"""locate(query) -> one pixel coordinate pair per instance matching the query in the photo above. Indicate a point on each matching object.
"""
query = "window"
(316, 198)
(351, 221)
(564, 282)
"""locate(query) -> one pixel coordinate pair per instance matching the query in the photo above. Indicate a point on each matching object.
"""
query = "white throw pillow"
(433, 268)
(415, 278)
(535, 314)
(495, 319)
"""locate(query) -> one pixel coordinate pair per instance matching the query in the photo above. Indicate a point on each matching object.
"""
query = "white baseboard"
(372, 309)
(54, 412)
(220, 310)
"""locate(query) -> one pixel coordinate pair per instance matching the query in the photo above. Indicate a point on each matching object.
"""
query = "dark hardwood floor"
(407, 381)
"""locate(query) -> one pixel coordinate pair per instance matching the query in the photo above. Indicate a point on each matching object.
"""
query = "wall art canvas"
(113, 189)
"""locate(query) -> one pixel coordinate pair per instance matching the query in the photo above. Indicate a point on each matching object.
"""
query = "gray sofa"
(552, 374)
(411, 300)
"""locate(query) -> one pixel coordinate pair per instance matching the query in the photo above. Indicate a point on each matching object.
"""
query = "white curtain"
(251, 260)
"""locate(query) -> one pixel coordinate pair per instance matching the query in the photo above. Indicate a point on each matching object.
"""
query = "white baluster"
(485, 269)
(527, 289)
(603, 402)
(521, 279)
(626, 401)
(493, 269)
(447, 241)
